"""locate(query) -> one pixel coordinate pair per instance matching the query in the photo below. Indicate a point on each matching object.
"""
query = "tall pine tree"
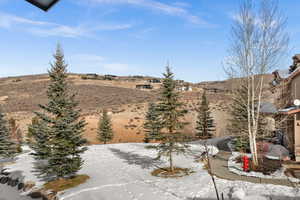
(152, 125)
(205, 123)
(171, 113)
(238, 123)
(7, 147)
(105, 132)
(58, 134)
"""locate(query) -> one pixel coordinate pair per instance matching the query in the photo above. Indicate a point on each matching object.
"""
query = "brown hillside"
(127, 106)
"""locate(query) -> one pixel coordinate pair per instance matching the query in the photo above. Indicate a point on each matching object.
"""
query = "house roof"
(289, 110)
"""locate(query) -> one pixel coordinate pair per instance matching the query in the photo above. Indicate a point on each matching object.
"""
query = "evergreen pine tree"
(30, 130)
(238, 123)
(205, 123)
(171, 113)
(58, 134)
(105, 132)
(7, 147)
(152, 125)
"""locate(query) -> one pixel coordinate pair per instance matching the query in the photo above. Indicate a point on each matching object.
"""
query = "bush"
(241, 145)
(17, 80)
(84, 77)
(63, 184)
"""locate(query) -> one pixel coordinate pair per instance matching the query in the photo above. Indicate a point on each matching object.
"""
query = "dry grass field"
(127, 106)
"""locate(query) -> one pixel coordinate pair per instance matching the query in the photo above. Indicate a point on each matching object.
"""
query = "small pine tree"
(7, 147)
(152, 125)
(105, 132)
(58, 134)
(171, 113)
(30, 130)
(205, 123)
(40, 141)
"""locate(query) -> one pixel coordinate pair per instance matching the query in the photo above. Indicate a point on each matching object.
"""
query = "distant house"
(287, 83)
(144, 86)
(90, 76)
(213, 90)
(109, 77)
(154, 80)
(95, 75)
(184, 88)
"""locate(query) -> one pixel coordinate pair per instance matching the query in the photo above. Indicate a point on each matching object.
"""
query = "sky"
(126, 37)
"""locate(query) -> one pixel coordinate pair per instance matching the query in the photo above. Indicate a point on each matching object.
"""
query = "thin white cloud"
(144, 33)
(44, 28)
(98, 64)
(88, 58)
(181, 4)
(117, 67)
(168, 9)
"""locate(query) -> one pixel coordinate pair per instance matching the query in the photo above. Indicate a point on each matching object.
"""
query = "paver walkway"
(219, 166)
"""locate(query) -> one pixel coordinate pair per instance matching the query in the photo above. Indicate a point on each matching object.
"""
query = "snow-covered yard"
(123, 171)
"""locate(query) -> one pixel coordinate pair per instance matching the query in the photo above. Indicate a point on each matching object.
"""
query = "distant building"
(214, 90)
(109, 77)
(144, 86)
(185, 87)
(90, 76)
(154, 80)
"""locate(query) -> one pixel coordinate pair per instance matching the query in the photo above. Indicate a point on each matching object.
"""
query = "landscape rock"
(277, 152)
(4, 180)
(35, 195)
(14, 183)
(20, 186)
(3, 172)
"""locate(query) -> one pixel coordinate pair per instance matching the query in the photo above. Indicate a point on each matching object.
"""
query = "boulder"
(35, 195)
(277, 152)
(4, 180)
(15, 183)
(20, 186)
(10, 181)
(3, 172)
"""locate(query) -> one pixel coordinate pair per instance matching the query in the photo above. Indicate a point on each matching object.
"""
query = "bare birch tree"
(258, 44)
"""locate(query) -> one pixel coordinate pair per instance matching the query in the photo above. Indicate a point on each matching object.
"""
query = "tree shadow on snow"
(198, 198)
(282, 197)
(145, 162)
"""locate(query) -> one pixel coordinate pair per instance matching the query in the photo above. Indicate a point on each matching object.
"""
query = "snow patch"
(123, 171)
(237, 168)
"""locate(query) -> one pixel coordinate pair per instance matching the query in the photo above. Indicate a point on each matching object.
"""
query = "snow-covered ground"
(237, 168)
(123, 172)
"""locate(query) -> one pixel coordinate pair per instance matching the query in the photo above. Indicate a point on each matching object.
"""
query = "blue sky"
(125, 37)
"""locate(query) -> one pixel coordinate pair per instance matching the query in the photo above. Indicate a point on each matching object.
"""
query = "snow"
(123, 171)
(239, 194)
(24, 163)
(238, 169)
